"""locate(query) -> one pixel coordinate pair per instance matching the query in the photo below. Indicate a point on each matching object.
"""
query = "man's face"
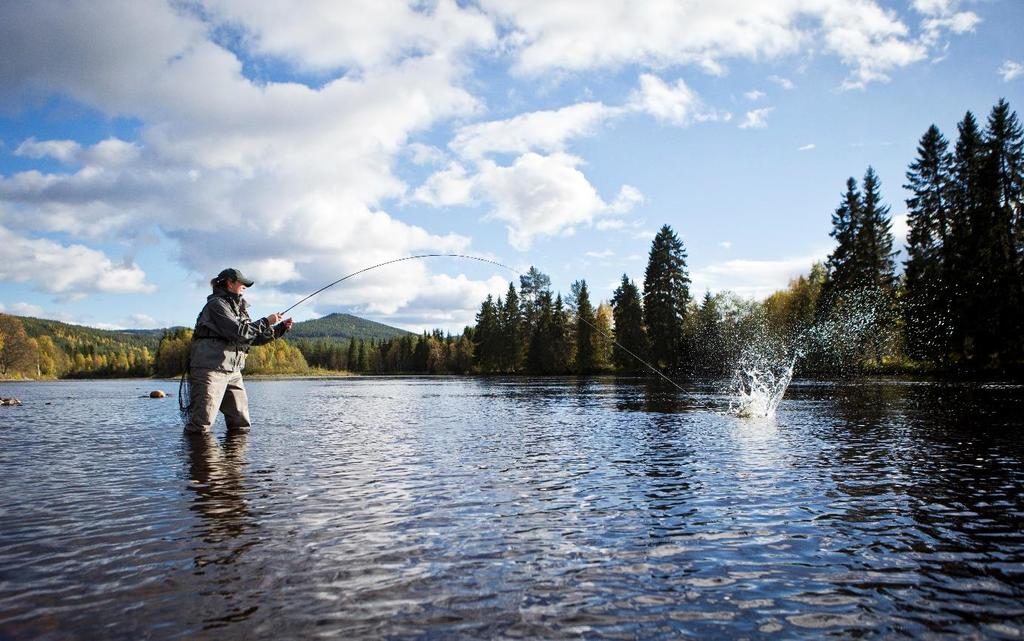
(235, 286)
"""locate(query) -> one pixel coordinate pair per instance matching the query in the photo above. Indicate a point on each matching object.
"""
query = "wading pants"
(213, 390)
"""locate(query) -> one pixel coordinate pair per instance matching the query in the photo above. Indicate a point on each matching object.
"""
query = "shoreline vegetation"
(955, 311)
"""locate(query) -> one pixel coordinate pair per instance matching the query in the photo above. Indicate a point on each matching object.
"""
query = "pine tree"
(859, 292)
(352, 357)
(628, 315)
(585, 329)
(541, 357)
(513, 348)
(666, 295)
(421, 353)
(874, 260)
(487, 347)
(972, 266)
(841, 263)
(561, 342)
(928, 303)
(362, 357)
(1004, 148)
(532, 286)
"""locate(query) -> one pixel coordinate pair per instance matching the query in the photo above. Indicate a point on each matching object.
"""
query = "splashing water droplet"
(758, 388)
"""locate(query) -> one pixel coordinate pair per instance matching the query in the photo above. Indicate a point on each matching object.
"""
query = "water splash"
(857, 330)
(757, 387)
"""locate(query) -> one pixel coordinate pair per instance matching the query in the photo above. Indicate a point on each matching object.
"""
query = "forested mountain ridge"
(344, 327)
(41, 348)
(67, 335)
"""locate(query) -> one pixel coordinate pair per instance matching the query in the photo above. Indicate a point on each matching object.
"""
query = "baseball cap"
(235, 274)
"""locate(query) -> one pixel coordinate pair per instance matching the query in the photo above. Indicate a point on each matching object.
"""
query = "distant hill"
(344, 327)
(41, 348)
(68, 337)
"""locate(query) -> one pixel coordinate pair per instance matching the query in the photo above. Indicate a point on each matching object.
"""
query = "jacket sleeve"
(227, 325)
(277, 331)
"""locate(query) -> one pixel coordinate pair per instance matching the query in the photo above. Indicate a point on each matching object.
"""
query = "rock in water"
(9, 401)
(157, 394)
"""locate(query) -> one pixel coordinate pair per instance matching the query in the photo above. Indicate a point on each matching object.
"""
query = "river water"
(446, 508)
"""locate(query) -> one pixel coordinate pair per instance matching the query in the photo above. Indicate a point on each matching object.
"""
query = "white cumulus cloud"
(900, 229)
(868, 38)
(450, 186)
(62, 150)
(753, 278)
(542, 196)
(322, 35)
(675, 104)
(1010, 70)
(293, 175)
(785, 83)
(756, 119)
(66, 269)
(545, 131)
(22, 309)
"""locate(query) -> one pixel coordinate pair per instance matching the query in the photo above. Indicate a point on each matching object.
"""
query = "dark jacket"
(224, 332)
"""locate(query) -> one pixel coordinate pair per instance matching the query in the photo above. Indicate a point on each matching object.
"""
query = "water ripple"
(449, 508)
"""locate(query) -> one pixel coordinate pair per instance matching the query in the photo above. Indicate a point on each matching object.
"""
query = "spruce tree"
(841, 263)
(874, 255)
(513, 348)
(486, 338)
(361, 357)
(1004, 148)
(628, 315)
(532, 285)
(858, 293)
(971, 257)
(928, 303)
(585, 329)
(666, 295)
(352, 357)
(561, 343)
(540, 358)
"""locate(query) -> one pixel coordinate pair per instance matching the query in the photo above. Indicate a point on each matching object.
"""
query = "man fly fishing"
(223, 334)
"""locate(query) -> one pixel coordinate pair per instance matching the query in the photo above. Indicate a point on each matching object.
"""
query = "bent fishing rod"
(482, 260)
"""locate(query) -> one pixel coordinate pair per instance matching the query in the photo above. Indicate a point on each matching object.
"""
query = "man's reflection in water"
(217, 476)
(229, 591)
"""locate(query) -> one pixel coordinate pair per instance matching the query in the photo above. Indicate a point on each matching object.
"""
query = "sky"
(146, 145)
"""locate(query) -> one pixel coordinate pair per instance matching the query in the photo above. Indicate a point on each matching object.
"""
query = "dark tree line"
(964, 277)
(959, 303)
(534, 330)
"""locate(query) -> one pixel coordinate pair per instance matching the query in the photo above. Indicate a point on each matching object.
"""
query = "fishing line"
(482, 260)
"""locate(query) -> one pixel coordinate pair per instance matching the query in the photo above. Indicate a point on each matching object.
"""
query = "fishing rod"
(390, 262)
(482, 260)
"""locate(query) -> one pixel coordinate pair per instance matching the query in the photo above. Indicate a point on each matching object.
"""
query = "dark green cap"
(234, 274)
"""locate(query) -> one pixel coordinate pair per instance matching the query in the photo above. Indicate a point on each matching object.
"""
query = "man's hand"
(274, 318)
(288, 324)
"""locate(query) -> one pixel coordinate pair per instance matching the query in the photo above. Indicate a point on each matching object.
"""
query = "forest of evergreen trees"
(957, 306)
